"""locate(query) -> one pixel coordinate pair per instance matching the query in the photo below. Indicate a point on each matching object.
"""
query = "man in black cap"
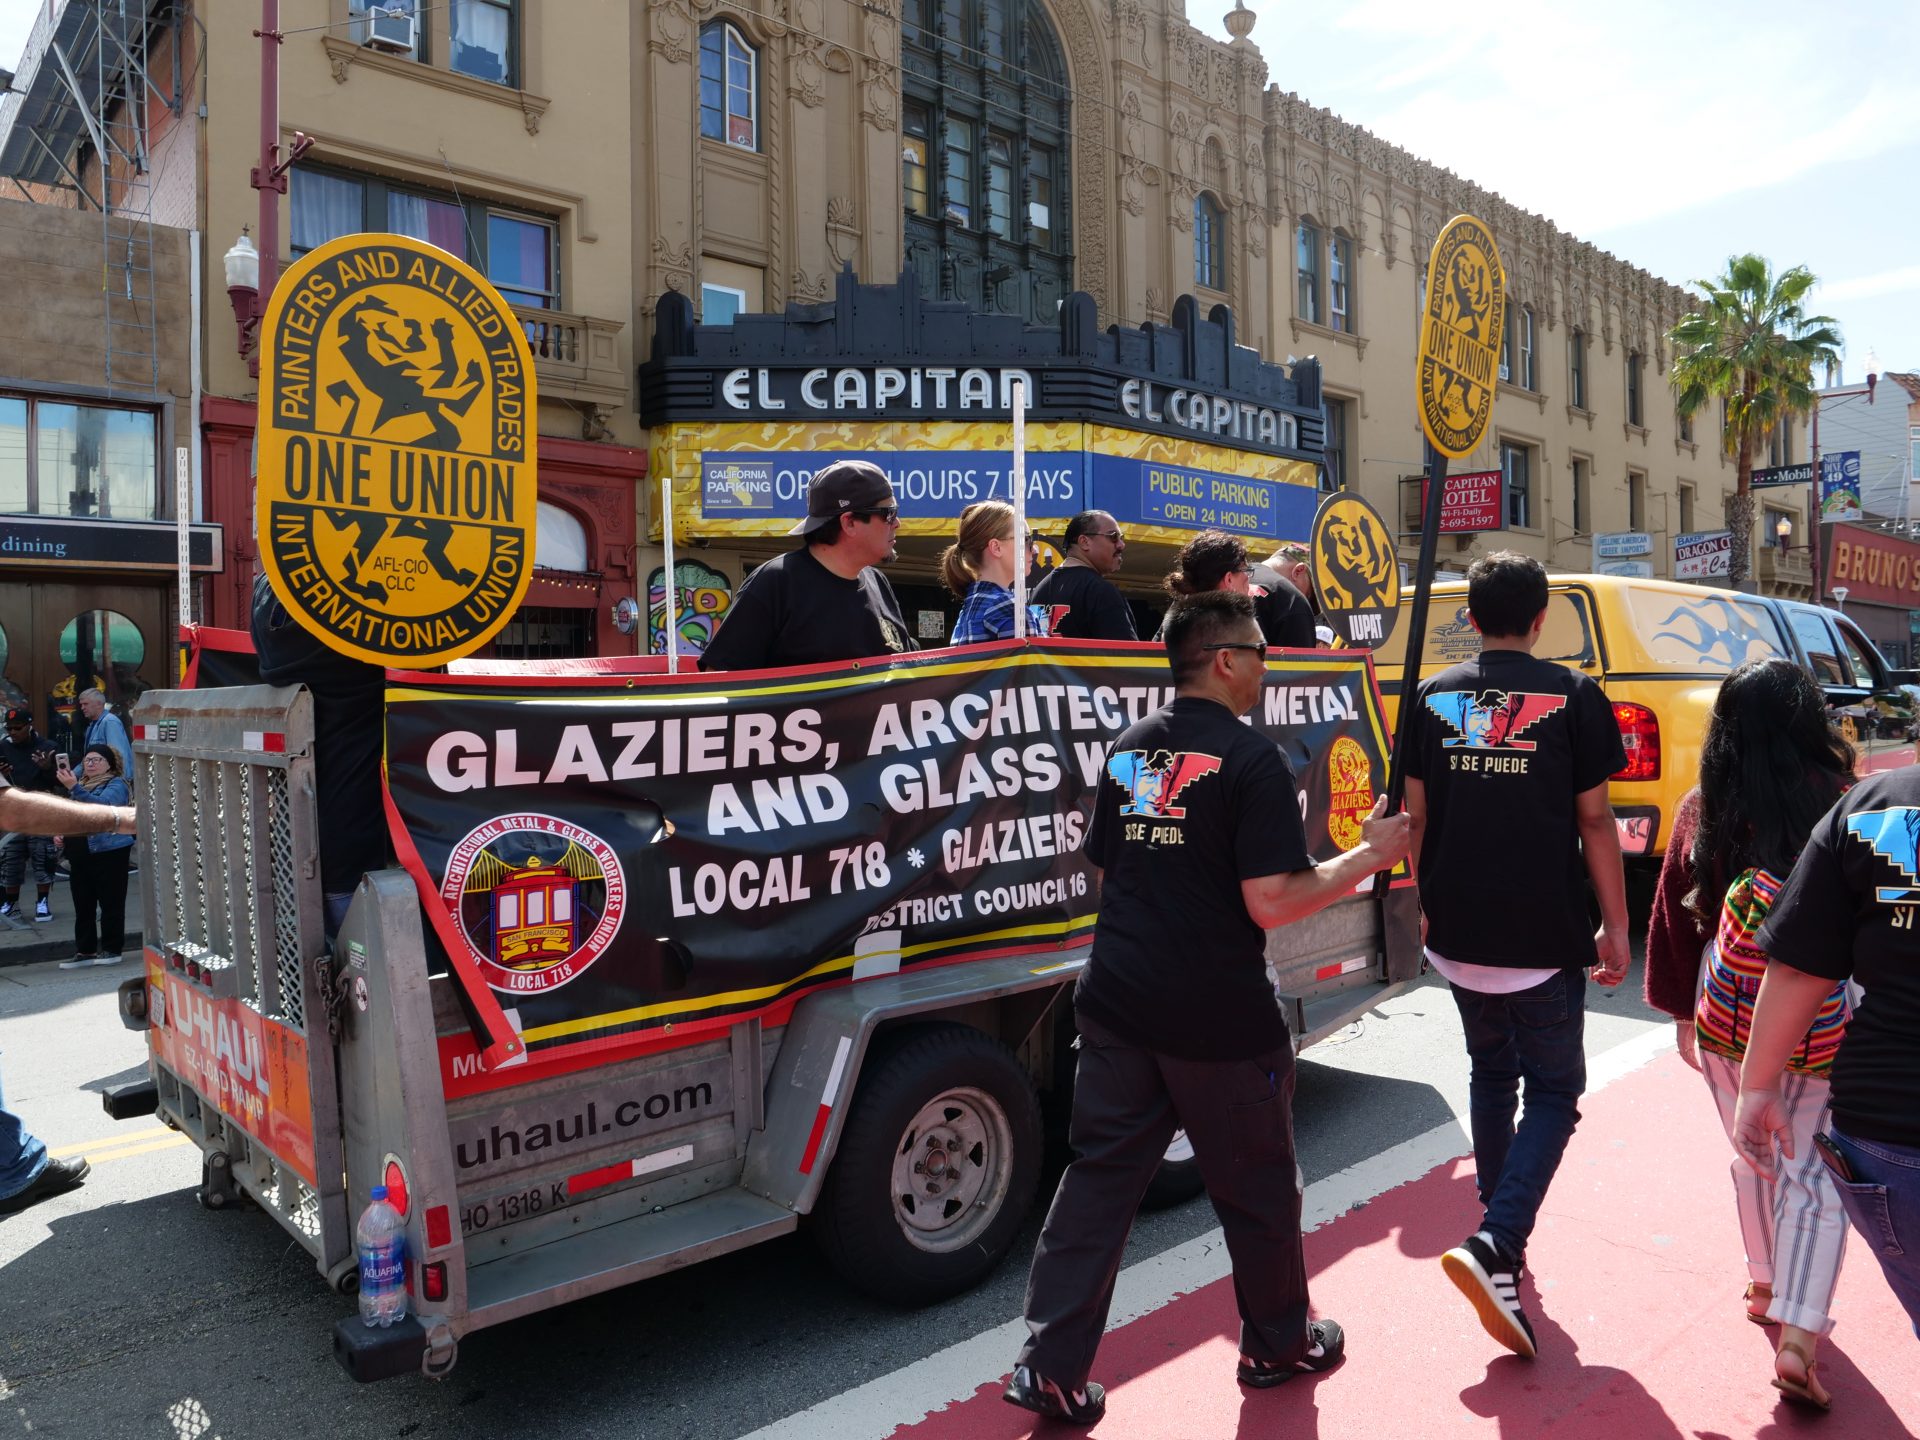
(26, 762)
(826, 601)
(1095, 609)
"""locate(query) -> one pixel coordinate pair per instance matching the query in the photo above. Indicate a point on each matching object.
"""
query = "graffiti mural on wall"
(705, 595)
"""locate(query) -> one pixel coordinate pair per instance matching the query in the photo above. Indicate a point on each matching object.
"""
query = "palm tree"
(1753, 346)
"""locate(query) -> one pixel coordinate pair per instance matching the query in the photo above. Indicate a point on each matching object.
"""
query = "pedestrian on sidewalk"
(26, 762)
(1850, 911)
(1197, 832)
(1507, 765)
(1771, 765)
(98, 863)
(28, 1174)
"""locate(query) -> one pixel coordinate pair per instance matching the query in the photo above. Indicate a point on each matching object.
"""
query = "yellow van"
(1659, 649)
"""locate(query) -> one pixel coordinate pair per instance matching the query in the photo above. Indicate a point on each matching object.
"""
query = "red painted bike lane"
(1635, 1297)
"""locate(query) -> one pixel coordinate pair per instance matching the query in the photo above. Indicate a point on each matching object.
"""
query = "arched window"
(1306, 263)
(729, 86)
(1340, 283)
(984, 154)
(1209, 243)
(559, 539)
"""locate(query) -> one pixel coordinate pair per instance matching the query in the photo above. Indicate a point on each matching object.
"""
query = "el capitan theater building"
(1171, 428)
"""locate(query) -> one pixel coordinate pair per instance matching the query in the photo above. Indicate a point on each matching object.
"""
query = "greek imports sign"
(395, 507)
(1703, 554)
(622, 855)
(1460, 333)
(1619, 544)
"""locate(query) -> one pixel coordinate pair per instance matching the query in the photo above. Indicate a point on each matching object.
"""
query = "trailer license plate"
(498, 1210)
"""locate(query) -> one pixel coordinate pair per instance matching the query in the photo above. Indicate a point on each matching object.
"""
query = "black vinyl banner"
(632, 854)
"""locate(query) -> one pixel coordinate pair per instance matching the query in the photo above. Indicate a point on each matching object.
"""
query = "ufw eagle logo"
(1492, 719)
(1154, 783)
(1893, 835)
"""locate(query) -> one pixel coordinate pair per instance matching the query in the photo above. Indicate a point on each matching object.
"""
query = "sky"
(1671, 134)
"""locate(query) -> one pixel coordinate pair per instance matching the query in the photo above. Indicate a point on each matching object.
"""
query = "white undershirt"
(1488, 979)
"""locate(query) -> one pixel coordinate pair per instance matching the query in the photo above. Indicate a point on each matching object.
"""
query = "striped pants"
(1794, 1227)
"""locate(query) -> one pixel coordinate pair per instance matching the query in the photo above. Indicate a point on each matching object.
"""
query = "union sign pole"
(1455, 377)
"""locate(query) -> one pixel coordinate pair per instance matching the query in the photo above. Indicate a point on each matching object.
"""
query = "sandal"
(1801, 1392)
(1764, 1294)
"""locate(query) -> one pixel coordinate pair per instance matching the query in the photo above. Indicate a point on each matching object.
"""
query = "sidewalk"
(53, 939)
(1635, 1297)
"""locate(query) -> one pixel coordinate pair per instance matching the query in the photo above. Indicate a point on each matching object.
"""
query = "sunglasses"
(1259, 647)
(1111, 536)
(890, 515)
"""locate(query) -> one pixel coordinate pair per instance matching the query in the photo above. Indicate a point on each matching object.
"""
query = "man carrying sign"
(1197, 831)
(1507, 763)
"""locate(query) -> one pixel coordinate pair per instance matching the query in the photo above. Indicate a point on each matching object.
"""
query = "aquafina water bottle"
(382, 1239)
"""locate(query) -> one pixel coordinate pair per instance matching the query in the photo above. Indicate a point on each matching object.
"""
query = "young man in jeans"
(1507, 767)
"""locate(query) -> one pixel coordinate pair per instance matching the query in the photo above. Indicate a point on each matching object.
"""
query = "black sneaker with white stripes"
(1327, 1347)
(1490, 1279)
(1032, 1391)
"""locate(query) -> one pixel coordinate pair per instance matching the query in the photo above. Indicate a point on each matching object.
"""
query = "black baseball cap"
(842, 488)
(17, 716)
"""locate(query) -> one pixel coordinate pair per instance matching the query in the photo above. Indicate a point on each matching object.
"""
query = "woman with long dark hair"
(1770, 768)
(98, 863)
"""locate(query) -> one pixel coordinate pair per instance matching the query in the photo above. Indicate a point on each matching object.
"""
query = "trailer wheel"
(936, 1169)
(1178, 1178)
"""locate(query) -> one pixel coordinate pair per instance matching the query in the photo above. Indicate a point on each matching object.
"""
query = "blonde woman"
(979, 568)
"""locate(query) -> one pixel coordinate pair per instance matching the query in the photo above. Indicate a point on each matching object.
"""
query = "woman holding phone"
(99, 865)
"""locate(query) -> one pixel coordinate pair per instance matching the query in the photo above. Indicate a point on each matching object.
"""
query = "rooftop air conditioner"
(390, 27)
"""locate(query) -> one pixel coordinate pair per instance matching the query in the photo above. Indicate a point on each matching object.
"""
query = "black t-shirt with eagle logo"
(1190, 803)
(1503, 744)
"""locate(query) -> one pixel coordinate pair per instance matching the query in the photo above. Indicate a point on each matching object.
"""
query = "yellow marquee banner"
(395, 508)
(1457, 371)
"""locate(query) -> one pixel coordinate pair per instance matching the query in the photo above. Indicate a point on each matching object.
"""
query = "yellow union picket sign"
(1355, 570)
(1458, 365)
(395, 509)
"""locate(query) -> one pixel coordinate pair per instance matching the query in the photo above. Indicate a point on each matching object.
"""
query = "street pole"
(1416, 638)
(1018, 485)
(266, 178)
(1813, 504)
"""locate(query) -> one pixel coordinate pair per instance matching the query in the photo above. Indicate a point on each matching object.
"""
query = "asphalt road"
(127, 1310)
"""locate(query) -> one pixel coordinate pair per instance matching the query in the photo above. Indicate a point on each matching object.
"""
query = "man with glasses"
(1198, 835)
(1095, 609)
(826, 601)
(26, 762)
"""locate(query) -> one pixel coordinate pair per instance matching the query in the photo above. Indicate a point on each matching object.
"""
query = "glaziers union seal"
(538, 899)
(395, 508)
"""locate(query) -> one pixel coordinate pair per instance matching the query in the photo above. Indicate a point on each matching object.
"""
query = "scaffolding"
(76, 128)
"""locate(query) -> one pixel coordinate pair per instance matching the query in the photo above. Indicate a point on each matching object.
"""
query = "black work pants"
(98, 882)
(1127, 1102)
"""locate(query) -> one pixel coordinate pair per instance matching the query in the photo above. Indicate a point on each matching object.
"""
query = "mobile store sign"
(632, 857)
(1471, 504)
(396, 491)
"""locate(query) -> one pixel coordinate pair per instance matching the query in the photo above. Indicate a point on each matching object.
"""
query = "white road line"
(908, 1395)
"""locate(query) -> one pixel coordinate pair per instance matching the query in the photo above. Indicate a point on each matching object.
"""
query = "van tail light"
(1640, 734)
